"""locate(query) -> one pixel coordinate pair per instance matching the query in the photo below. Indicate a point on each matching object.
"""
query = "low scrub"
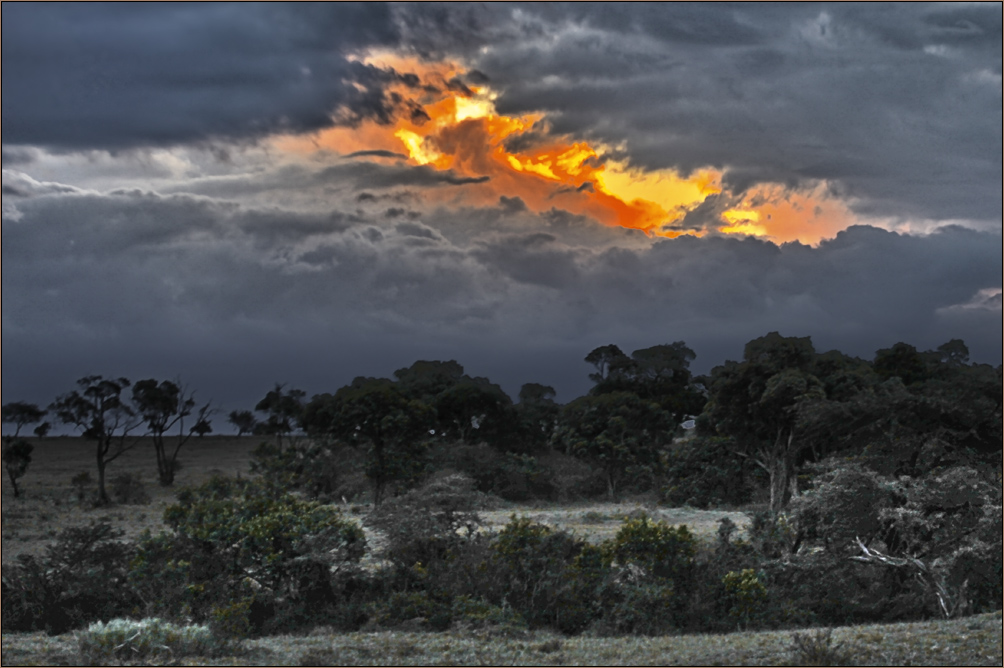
(147, 641)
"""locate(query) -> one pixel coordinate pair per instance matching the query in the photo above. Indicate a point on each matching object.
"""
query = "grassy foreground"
(970, 641)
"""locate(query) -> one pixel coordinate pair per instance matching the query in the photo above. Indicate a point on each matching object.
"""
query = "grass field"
(49, 503)
(972, 641)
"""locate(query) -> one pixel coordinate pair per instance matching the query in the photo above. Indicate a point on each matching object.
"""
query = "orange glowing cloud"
(456, 127)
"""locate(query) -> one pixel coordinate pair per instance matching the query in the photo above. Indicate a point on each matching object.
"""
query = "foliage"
(283, 411)
(98, 409)
(163, 405)
(313, 468)
(81, 577)
(148, 641)
(245, 421)
(128, 488)
(16, 458)
(660, 550)
(429, 523)
(818, 649)
(508, 475)
(234, 540)
(618, 432)
(746, 595)
(21, 413)
(705, 472)
(374, 414)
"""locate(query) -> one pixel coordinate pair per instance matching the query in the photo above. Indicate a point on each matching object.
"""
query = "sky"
(235, 195)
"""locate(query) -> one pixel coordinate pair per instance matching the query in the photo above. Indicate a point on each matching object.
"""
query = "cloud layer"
(157, 222)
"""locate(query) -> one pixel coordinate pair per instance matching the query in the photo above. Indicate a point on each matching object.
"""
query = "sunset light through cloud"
(252, 193)
(440, 120)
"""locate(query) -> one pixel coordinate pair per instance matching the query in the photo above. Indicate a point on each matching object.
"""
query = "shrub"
(313, 468)
(16, 459)
(236, 540)
(128, 488)
(703, 472)
(81, 577)
(817, 649)
(541, 573)
(146, 641)
(746, 596)
(658, 549)
(426, 524)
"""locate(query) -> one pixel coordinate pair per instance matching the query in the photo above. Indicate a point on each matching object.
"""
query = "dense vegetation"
(874, 489)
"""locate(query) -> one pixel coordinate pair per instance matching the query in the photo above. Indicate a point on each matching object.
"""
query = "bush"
(658, 549)
(746, 596)
(425, 525)
(81, 577)
(705, 472)
(508, 475)
(817, 649)
(147, 641)
(128, 488)
(534, 570)
(236, 540)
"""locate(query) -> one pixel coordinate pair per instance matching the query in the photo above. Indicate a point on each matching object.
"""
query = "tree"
(244, 421)
(374, 414)
(202, 427)
(16, 458)
(425, 380)
(22, 413)
(283, 408)
(757, 403)
(42, 430)
(163, 405)
(475, 410)
(97, 409)
(538, 414)
(617, 432)
(609, 360)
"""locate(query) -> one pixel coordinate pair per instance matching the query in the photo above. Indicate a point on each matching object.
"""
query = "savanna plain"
(50, 503)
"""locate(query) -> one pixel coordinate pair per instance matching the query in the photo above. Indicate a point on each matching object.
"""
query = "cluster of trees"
(100, 411)
(769, 416)
(881, 483)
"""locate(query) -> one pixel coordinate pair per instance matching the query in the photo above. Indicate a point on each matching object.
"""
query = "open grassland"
(49, 503)
(49, 500)
(971, 641)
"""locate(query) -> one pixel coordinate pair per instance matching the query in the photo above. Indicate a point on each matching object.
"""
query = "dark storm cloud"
(377, 153)
(234, 298)
(119, 75)
(899, 103)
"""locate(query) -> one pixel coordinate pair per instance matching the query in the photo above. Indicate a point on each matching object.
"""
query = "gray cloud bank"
(235, 297)
(148, 232)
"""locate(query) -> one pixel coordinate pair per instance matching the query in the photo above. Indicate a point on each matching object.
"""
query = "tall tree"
(22, 413)
(538, 414)
(16, 458)
(283, 409)
(244, 421)
(162, 406)
(98, 410)
(757, 403)
(616, 432)
(373, 413)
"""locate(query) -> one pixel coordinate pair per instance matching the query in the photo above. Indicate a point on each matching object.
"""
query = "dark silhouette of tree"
(538, 414)
(757, 403)
(616, 432)
(42, 430)
(16, 458)
(22, 413)
(244, 421)
(373, 414)
(98, 410)
(162, 406)
(283, 410)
